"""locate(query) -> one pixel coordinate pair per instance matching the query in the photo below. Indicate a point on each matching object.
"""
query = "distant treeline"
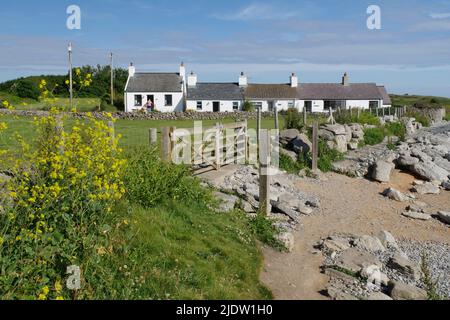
(28, 87)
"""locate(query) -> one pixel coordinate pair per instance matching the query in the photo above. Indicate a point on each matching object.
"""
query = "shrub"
(60, 199)
(248, 106)
(293, 119)
(327, 156)
(150, 181)
(26, 89)
(365, 117)
(374, 136)
(397, 129)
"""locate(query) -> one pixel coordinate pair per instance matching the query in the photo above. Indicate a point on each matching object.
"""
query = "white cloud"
(440, 15)
(257, 12)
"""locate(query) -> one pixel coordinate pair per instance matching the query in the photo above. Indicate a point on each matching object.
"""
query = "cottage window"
(374, 105)
(138, 100)
(168, 100)
(258, 105)
(334, 104)
(235, 106)
(199, 105)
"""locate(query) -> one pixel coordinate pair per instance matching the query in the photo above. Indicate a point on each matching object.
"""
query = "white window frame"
(166, 104)
(136, 104)
(235, 105)
(199, 103)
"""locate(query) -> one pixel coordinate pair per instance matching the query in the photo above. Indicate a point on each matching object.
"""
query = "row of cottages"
(176, 92)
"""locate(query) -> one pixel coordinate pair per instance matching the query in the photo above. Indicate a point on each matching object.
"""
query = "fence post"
(264, 183)
(359, 113)
(218, 148)
(153, 135)
(304, 116)
(315, 146)
(276, 118)
(258, 124)
(166, 148)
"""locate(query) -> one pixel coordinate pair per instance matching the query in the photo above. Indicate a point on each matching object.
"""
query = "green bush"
(397, 129)
(365, 117)
(248, 106)
(293, 119)
(374, 136)
(289, 165)
(26, 89)
(265, 232)
(327, 156)
(150, 181)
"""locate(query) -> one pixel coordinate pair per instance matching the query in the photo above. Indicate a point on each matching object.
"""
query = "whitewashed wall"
(177, 101)
(361, 104)
(207, 105)
(280, 104)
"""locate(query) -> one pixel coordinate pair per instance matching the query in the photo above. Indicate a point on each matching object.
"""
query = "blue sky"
(319, 40)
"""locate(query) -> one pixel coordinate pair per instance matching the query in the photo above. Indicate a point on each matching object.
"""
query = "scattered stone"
(446, 185)
(382, 171)
(353, 144)
(290, 154)
(285, 209)
(369, 243)
(354, 260)
(430, 171)
(374, 275)
(444, 216)
(402, 291)
(287, 239)
(338, 294)
(426, 188)
(406, 161)
(227, 202)
(303, 209)
(417, 215)
(378, 296)
(388, 240)
(415, 208)
(405, 266)
(394, 194)
(335, 244)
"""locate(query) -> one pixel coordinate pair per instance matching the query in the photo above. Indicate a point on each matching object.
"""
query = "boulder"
(336, 129)
(348, 133)
(388, 240)
(290, 200)
(291, 154)
(227, 202)
(357, 131)
(369, 243)
(402, 291)
(301, 144)
(442, 163)
(405, 267)
(394, 194)
(417, 215)
(353, 144)
(340, 143)
(285, 209)
(426, 188)
(382, 171)
(446, 185)
(286, 136)
(406, 161)
(354, 260)
(287, 239)
(430, 171)
(378, 296)
(444, 216)
(326, 135)
(374, 275)
(335, 244)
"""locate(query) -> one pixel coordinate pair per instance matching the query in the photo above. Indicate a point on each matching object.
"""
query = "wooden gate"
(215, 146)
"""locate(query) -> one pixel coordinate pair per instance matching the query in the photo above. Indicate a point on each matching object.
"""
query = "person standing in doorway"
(149, 106)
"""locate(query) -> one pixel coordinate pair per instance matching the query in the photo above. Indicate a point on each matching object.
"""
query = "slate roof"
(155, 82)
(336, 91)
(270, 91)
(386, 98)
(215, 91)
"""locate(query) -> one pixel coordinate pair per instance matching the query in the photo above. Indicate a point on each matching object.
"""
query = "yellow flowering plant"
(61, 195)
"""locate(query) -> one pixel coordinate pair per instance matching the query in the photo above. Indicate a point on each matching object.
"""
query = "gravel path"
(352, 206)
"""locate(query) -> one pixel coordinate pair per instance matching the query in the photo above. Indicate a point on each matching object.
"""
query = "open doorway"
(216, 106)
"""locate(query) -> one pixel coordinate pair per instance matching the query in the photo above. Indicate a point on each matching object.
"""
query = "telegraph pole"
(112, 79)
(69, 49)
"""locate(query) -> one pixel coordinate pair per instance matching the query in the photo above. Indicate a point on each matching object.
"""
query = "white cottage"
(165, 90)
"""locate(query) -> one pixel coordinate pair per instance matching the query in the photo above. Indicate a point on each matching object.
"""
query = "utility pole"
(69, 49)
(112, 79)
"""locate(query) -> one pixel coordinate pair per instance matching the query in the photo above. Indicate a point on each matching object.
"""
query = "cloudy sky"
(217, 39)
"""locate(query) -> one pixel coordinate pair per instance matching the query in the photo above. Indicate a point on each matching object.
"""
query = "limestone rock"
(444, 216)
(394, 194)
(354, 260)
(378, 296)
(417, 215)
(388, 240)
(369, 243)
(426, 188)
(227, 202)
(430, 171)
(382, 171)
(287, 239)
(402, 291)
(405, 266)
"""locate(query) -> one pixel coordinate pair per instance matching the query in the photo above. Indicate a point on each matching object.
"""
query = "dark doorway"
(216, 106)
(308, 106)
(151, 98)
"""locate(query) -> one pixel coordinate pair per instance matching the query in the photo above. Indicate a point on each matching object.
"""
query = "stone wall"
(436, 115)
(146, 116)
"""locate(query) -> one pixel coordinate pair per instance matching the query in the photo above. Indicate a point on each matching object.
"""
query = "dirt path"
(347, 206)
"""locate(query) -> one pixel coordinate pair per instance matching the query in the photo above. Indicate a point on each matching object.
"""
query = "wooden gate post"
(217, 144)
(258, 124)
(315, 146)
(152, 135)
(264, 182)
(304, 116)
(166, 147)
(276, 118)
